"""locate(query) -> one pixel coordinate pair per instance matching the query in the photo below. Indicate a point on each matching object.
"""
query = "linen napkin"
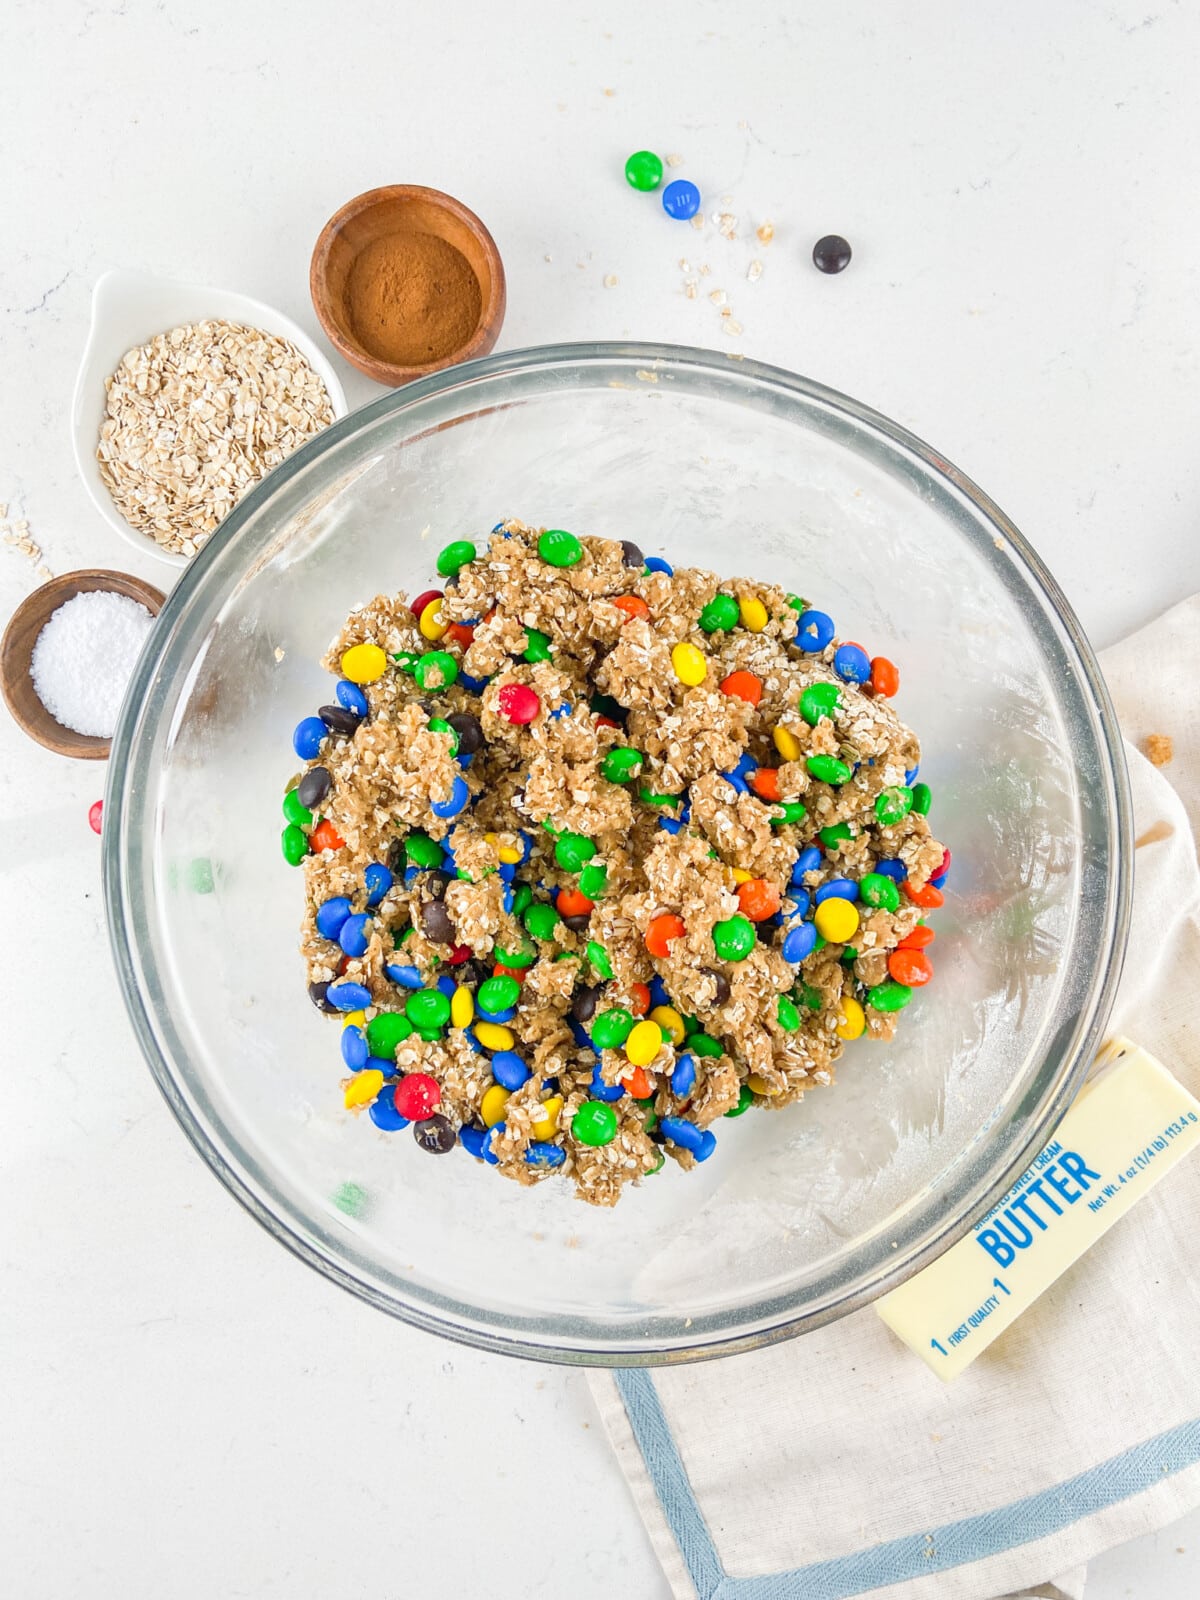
(838, 1465)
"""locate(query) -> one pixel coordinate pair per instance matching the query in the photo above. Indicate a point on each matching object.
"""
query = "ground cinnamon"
(412, 298)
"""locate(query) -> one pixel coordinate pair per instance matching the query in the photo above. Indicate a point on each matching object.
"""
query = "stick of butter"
(1128, 1127)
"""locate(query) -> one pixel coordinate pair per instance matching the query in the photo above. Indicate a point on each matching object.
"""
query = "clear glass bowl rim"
(122, 911)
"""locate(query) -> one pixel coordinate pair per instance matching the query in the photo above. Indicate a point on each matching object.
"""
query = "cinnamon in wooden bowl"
(406, 280)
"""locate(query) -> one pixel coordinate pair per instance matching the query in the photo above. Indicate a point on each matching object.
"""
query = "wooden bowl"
(411, 208)
(16, 653)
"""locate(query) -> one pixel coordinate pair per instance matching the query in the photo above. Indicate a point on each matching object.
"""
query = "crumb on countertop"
(1160, 748)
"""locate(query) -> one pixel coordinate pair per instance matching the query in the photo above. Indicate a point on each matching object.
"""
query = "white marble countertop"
(187, 1410)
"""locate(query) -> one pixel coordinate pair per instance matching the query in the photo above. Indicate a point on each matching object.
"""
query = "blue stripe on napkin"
(918, 1554)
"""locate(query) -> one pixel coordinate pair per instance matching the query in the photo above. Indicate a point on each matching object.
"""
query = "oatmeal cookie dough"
(596, 853)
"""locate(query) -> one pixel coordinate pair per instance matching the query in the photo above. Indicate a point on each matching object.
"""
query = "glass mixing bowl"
(802, 1214)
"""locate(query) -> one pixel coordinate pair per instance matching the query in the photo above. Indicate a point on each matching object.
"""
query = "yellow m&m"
(836, 920)
(491, 1107)
(546, 1125)
(495, 1036)
(363, 663)
(462, 1007)
(690, 664)
(786, 743)
(363, 1088)
(753, 613)
(852, 1019)
(430, 621)
(670, 1022)
(644, 1043)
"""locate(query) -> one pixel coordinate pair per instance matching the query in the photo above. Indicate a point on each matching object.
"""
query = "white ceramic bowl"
(129, 308)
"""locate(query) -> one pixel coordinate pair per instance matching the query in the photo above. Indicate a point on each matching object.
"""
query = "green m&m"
(538, 648)
(523, 956)
(522, 897)
(720, 613)
(294, 812)
(703, 1044)
(819, 700)
(573, 851)
(651, 798)
(893, 805)
(436, 670)
(495, 994)
(294, 843)
(789, 1017)
(922, 799)
(422, 851)
(643, 170)
(836, 833)
(541, 921)
(828, 769)
(745, 1100)
(427, 1010)
(440, 725)
(611, 1028)
(876, 889)
(734, 938)
(386, 1032)
(889, 996)
(788, 811)
(594, 1123)
(598, 956)
(593, 880)
(454, 556)
(559, 548)
(622, 764)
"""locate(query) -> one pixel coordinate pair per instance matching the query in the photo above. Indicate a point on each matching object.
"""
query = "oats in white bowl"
(195, 418)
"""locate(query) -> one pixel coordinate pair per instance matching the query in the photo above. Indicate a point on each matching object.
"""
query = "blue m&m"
(808, 860)
(852, 663)
(352, 698)
(681, 199)
(798, 942)
(378, 880)
(839, 888)
(331, 914)
(814, 631)
(308, 738)
(459, 795)
(355, 934)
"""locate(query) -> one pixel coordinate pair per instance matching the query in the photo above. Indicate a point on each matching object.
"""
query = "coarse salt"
(84, 657)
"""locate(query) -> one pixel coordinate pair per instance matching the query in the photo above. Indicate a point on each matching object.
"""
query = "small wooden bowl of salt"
(67, 655)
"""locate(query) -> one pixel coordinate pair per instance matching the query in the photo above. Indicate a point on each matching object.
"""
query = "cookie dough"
(597, 853)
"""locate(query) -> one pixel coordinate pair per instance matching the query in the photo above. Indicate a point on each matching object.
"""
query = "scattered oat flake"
(698, 221)
(279, 653)
(674, 161)
(726, 225)
(610, 93)
(691, 288)
(755, 270)
(684, 264)
(731, 327)
(646, 377)
(705, 270)
(717, 296)
(765, 232)
(1160, 748)
(547, 258)
(611, 280)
